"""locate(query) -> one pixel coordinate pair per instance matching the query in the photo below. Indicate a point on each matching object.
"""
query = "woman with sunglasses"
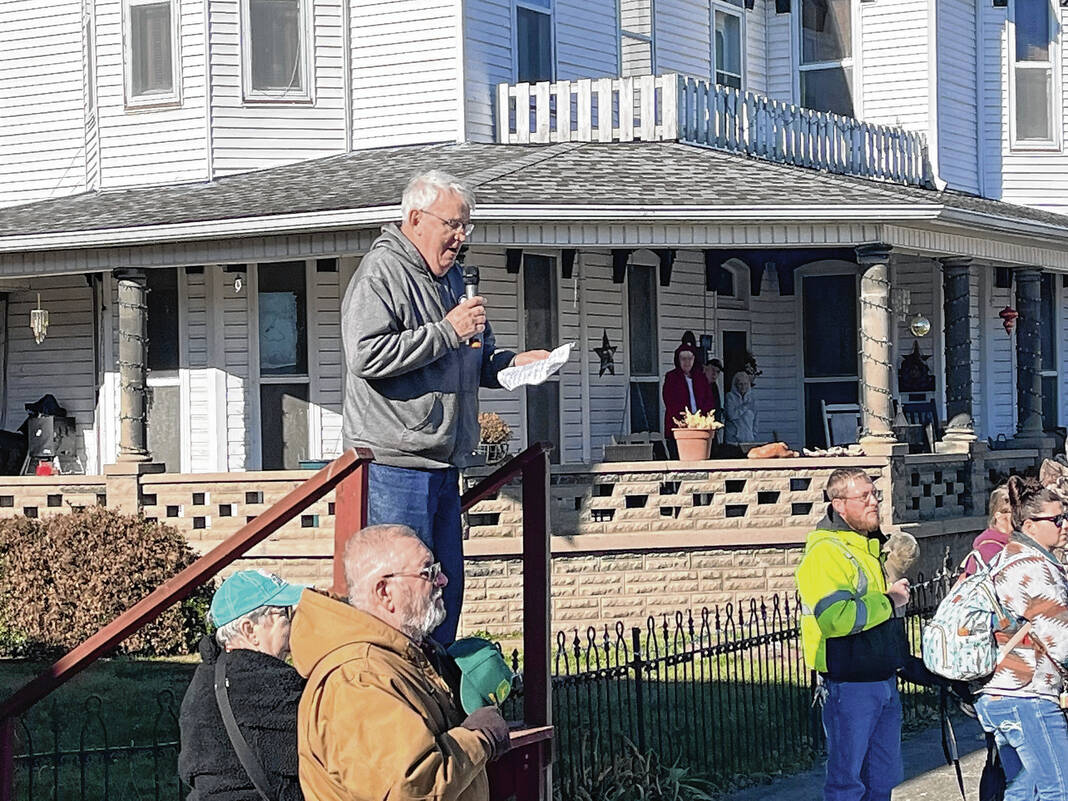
(1019, 704)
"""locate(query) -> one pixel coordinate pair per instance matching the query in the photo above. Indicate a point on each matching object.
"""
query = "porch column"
(875, 326)
(1028, 353)
(133, 322)
(958, 345)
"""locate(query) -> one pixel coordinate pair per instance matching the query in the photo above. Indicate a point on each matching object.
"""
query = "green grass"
(113, 704)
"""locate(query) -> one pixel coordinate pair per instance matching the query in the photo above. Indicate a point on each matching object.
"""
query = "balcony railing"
(678, 108)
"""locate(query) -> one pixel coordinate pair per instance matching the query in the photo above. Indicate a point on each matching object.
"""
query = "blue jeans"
(862, 720)
(427, 501)
(1032, 740)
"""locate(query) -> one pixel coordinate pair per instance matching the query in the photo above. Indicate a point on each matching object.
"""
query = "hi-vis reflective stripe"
(845, 595)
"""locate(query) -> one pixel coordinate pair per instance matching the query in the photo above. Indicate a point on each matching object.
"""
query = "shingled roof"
(640, 174)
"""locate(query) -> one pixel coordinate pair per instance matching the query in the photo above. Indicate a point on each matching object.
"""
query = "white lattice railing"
(675, 107)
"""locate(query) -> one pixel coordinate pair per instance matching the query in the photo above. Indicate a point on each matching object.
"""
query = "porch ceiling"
(520, 187)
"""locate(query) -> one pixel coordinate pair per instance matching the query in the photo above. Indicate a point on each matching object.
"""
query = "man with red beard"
(376, 719)
(412, 376)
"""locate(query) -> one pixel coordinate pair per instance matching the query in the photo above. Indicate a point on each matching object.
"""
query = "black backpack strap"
(248, 760)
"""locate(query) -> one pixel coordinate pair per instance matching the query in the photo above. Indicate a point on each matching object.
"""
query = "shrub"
(492, 429)
(633, 776)
(63, 577)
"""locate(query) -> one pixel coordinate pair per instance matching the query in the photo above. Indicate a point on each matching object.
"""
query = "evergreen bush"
(65, 576)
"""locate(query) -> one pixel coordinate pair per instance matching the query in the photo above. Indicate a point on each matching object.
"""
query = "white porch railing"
(678, 108)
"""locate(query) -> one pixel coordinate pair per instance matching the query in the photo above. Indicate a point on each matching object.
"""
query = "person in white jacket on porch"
(741, 411)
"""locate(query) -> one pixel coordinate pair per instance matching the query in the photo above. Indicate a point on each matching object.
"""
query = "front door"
(164, 414)
(829, 314)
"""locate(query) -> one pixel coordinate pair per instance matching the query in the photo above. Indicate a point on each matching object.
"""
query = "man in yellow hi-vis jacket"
(851, 640)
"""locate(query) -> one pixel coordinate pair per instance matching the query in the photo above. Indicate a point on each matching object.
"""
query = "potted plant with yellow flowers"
(693, 434)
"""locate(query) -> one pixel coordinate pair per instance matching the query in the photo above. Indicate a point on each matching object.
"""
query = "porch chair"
(841, 422)
(923, 420)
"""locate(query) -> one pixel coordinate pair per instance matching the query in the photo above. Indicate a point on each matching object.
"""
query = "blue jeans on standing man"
(1032, 739)
(427, 501)
(862, 720)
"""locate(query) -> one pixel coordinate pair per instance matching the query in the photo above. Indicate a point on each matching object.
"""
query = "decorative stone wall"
(34, 496)
(594, 589)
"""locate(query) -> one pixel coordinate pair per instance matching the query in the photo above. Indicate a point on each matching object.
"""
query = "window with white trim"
(635, 37)
(534, 40)
(151, 52)
(826, 64)
(643, 342)
(727, 47)
(1033, 85)
(277, 59)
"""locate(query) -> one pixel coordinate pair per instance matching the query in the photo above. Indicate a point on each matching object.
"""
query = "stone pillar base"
(123, 484)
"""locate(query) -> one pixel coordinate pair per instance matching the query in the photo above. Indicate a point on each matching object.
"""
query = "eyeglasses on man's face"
(865, 497)
(453, 224)
(429, 573)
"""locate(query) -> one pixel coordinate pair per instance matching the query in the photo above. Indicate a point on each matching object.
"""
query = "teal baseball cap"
(485, 678)
(246, 590)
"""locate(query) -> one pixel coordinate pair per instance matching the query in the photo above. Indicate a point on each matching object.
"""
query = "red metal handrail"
(350, 464)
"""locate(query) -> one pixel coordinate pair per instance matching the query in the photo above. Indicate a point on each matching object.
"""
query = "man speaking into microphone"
(417, 348)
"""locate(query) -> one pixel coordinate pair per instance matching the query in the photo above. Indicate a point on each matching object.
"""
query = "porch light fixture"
(919, 325)
(39, 321)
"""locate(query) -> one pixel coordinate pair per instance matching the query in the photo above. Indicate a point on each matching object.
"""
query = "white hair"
(423, 189)
(228, 631)
(369, 554)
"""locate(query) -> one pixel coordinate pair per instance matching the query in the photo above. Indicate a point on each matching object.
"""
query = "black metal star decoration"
(606, 353)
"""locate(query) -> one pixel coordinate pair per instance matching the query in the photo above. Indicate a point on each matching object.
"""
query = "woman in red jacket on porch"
(684, 388)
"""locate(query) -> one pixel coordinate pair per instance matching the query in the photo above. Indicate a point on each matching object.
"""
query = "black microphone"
(470, 273)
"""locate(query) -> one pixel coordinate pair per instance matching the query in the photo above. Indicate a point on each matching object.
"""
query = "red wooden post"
(7, 759)
(537, 686)
(350, 515)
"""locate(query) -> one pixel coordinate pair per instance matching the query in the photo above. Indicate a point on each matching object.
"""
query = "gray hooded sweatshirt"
(411, 385)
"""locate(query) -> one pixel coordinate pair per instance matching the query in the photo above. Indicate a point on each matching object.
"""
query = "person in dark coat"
(684, 388)
(252, 610)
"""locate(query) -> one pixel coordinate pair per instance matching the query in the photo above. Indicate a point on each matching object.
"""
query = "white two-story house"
(644, 168)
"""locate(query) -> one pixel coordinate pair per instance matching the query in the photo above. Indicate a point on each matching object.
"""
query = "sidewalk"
(927, 776)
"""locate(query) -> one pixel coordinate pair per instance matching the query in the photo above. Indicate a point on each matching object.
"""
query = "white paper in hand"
(535, 372)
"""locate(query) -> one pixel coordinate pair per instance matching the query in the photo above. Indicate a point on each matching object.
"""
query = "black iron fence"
(723, 691)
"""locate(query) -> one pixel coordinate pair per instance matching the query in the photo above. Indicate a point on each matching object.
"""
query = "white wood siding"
(777, 349)
(42, 126)
(198, 367)
(999, 381)
(235, 364)
(248, 136)
(499, 288)
(327, 393)
(957, 132)
(604, 312)
(780, 53)
(895, 63)
(683, 38)
(756, 50)
(487, 62)
(587, 42)
(151, 145)
(61, 365)
(405, 72)
(922, 278)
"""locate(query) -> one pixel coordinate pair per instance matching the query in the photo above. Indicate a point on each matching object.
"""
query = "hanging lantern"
(1008, 317)
(919, 325)
(39, 321)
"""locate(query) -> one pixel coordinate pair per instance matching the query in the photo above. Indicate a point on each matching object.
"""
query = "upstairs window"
(534, 41)
(151, 46)
(727, 48)
(635, 37)
(827, 56)
(276, 52)
(1033, 78)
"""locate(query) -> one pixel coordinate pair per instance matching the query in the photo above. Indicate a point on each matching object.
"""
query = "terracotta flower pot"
(693, 443)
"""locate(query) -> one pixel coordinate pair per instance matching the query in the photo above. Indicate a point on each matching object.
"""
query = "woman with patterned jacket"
(1019, 703)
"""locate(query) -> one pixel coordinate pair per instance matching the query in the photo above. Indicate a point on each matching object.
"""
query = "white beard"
(419, 626)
